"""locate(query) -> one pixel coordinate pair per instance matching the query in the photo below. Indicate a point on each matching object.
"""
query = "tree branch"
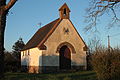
(98, 9)
(10, 4)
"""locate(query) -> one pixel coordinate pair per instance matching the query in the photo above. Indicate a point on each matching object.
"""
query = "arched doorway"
(65, 58)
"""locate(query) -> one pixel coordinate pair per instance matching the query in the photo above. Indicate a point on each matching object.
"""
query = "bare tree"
(4, 8)
(94, 44)
(99, 7)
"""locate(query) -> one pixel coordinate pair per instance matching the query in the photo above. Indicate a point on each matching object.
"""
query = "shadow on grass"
(81, 75)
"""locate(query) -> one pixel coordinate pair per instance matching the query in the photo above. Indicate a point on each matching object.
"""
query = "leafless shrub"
(107, 64)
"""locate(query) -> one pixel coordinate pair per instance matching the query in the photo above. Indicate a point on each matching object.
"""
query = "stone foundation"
(50, 69)
(33, 69)
(54, 69)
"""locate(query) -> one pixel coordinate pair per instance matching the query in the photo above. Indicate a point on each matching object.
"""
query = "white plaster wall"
(33, 58)
(24, 58)
(58, 37)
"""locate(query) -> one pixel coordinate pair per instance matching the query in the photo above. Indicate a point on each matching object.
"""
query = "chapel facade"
(56, 46)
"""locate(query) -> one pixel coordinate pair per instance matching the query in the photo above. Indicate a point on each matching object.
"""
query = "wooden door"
(65, 58)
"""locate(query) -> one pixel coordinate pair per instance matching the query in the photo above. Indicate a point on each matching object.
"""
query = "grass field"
(80, 75)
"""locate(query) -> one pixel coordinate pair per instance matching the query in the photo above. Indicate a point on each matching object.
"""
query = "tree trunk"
(3, 12)
(2, 30)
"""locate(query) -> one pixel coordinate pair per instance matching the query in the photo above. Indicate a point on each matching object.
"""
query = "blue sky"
(24, 17)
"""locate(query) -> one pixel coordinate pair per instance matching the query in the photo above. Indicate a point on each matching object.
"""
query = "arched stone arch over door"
(65, 49)
(70, 46)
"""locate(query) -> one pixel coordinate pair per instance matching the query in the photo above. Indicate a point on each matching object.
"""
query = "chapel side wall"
(58, 37)
(32, 59)
(24, 58)
(24, 61)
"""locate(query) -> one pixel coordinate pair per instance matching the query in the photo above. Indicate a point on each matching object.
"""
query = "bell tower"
(64, 12)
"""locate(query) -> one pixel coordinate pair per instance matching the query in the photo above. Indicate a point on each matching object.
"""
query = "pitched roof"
(42, 34)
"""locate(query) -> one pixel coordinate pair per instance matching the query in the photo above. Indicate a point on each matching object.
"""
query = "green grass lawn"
(80, 75)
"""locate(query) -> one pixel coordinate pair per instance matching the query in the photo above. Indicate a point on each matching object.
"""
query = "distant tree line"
(13, 59)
